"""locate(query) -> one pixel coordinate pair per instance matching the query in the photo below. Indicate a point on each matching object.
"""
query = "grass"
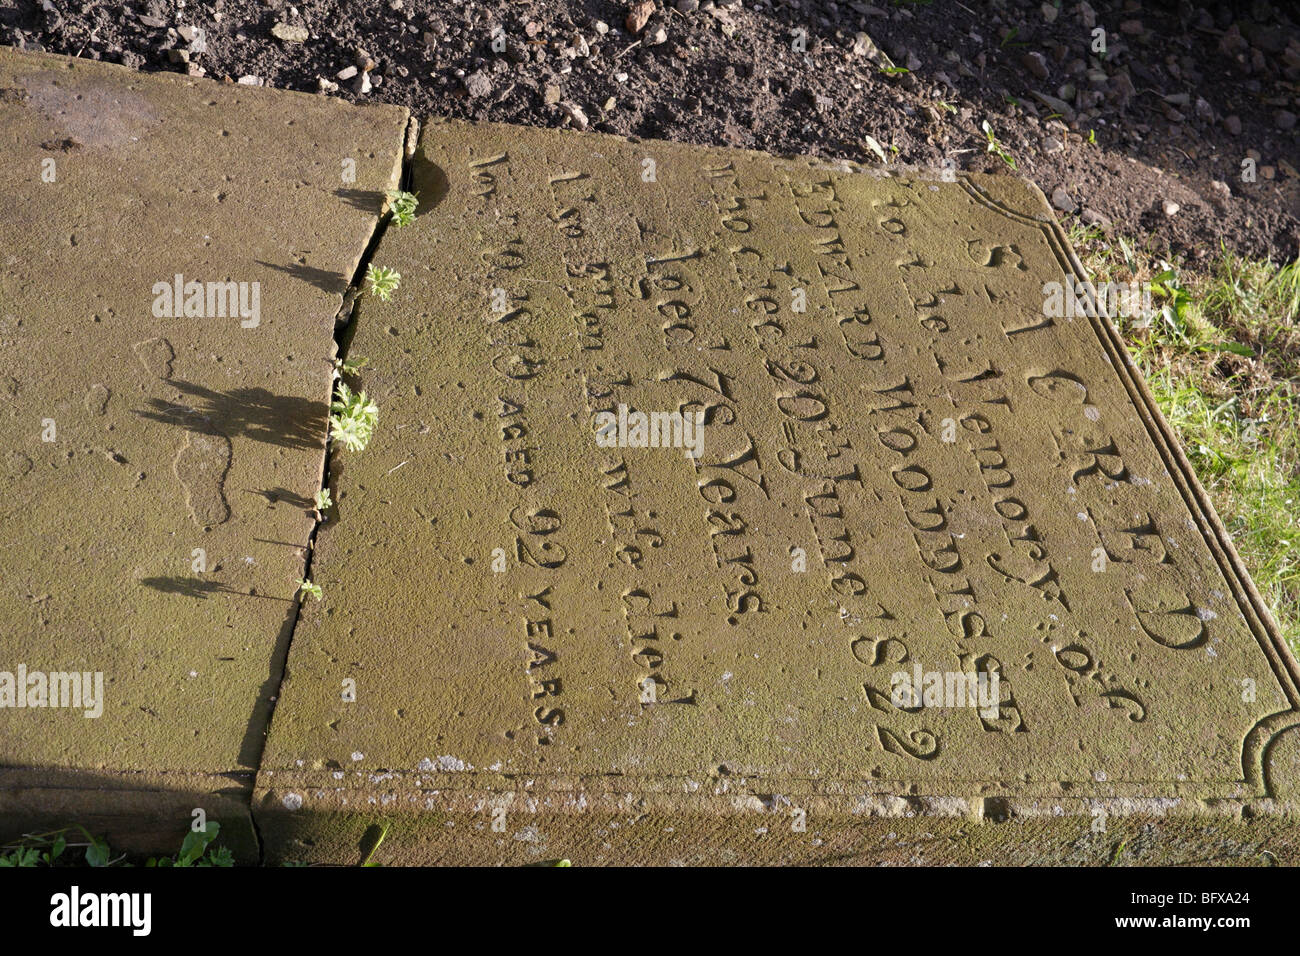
(1222, 358)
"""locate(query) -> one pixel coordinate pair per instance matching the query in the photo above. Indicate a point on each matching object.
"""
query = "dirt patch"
(1148, 137)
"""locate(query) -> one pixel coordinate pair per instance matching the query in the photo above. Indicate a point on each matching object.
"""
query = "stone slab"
(169, 434)
(626, 653)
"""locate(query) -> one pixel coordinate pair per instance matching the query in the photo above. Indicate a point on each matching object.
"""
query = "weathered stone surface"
(626, 653)
(169, 434)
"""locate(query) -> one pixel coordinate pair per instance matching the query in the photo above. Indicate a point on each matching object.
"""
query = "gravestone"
(727, 508)
(173, 253)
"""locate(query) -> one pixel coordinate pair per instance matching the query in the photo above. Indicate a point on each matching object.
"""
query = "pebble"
(1036, 64)
(551, 95)
(1284, 119)
(687, 6)
(346, 73)
(250, 81)
(1061, 200)
(362, 84)
(477, 84)
(659, 36)
(326, 86)
(1232, 124)
(1093, 218)
(1170, 207)
(289, 33)
(639, 15)
(575, 114)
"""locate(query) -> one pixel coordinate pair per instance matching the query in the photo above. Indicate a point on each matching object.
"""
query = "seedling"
(382, 281)
(344, 367)
(1092, 137)
(894, 70)
(403, 205)
(995, 147)
(352, 418)
(305, 587)
(323, 500)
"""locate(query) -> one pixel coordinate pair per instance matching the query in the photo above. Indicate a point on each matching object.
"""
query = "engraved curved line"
(977, 193)
(1254, 749)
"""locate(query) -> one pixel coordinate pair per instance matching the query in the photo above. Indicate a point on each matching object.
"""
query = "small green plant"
(382, 281)
(995, 147)
(352, 418)
(403, 205)
(349, 367)
(1092, 137)
(48, 849)
(196, 851)
(1167, 285)
(322, 500)
(894, 70)
(305, 587)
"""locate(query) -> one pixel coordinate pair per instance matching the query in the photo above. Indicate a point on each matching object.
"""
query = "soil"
(1156, 138)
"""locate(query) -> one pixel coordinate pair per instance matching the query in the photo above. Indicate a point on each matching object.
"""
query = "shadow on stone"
(254, 413)
(323, 279)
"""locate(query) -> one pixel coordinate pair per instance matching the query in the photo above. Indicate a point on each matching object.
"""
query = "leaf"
(875, 147)
(196, 841)
(97, 853)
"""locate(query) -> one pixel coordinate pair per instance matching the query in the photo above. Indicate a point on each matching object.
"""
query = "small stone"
(346, 73)
(477, 84)
(687, 6)
(153, 22)
(326, 86)
(575, 114)
(551, 95)
(602, 27)
(1052, 145)
(1061, 200)
(1170, 207)
(1036, 64)
(250, 81)
(639, 16)
(1049, 12)
(1284, 119)
(659, 36)
(289, 33)
(1087, 15)
(1131, 27)
(178, 56)
(609, 104)
(1221, 190)
(1268, 172)
(362, 84)
(1091, 217)
(864, 46)
(1232, 124)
